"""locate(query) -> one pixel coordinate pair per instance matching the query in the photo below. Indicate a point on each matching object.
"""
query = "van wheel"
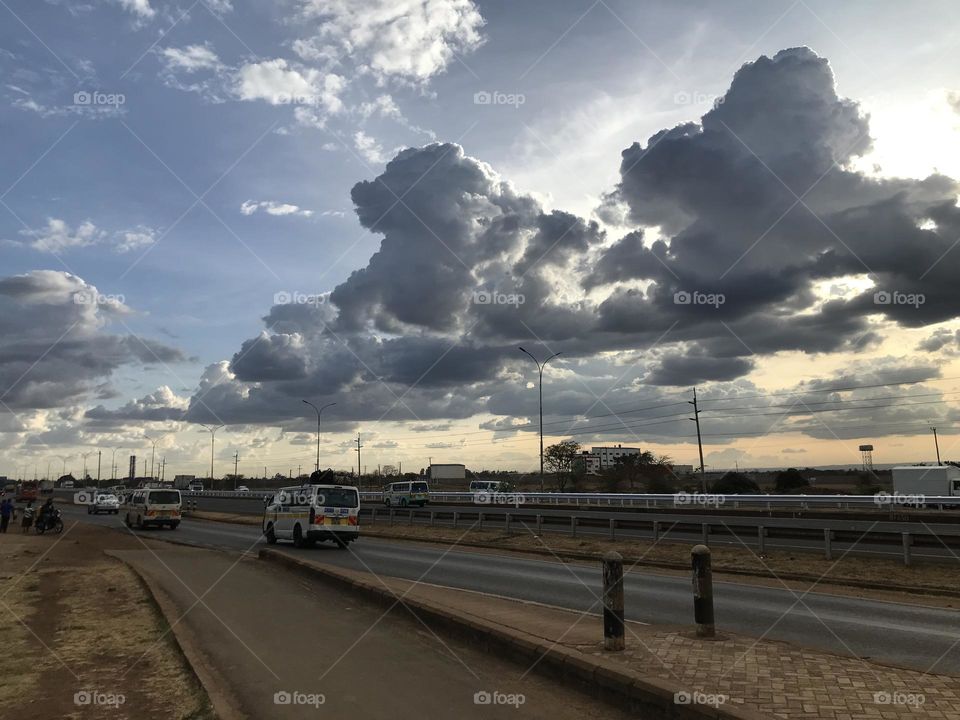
(341, 544)
(403, 502)
(387, 502)
(297, 536)
(270, 535)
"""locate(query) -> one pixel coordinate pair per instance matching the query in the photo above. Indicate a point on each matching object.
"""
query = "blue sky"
(213, 165)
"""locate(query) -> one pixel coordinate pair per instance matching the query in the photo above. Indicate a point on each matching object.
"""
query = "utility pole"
(359, 474)
(213, 431)
(99, 457)
(696, 419)
(236, 462)
(540, 367)
(936, 442)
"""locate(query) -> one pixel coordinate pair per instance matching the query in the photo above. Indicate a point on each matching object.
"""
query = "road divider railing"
(751, 532)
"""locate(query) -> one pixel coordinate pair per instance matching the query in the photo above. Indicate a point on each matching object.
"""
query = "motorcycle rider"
(46, 514)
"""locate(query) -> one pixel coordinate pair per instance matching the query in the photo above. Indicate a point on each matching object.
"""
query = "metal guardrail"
(638, 500)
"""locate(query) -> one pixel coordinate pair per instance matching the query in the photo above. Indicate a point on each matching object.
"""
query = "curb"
(225, 707)
(603, 679)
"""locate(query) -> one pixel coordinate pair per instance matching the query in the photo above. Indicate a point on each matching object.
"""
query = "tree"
(788, 481)
(734, 483)
(560, 458)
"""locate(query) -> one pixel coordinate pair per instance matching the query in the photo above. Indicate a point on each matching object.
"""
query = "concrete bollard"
(613, 528)
(827, 547)
(761, 544)
(613, 627)
(702, 591)
(907, 541)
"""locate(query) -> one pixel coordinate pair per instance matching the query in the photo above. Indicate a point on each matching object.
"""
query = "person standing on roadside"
(6, 511)
(27, 521)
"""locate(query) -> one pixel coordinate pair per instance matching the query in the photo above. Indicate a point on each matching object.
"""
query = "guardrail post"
(656, 531)
(613, 528)
(432, 517)
(702, 591)
(573, 525)
(827, 549)
(613, 626)
(906, 548)
(705, 533)
(411, 518)
(539, 524)
(373, 516)
(456, 516)
(761, 544)
(391, 517)
(506, 524)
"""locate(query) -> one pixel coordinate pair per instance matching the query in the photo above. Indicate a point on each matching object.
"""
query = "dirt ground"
(83, 638)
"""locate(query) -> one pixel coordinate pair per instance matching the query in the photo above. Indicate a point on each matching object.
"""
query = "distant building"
(682, 469)
(590, 462)
(607, 456)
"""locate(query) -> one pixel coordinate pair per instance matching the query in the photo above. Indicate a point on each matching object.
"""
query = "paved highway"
(917, 636)
(725, 529)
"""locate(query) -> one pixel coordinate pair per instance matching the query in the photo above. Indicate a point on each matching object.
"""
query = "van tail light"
(353, 520)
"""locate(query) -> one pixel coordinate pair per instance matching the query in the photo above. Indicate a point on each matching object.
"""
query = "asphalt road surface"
(916, 636)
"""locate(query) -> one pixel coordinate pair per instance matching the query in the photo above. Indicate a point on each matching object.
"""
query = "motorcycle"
(50, 521)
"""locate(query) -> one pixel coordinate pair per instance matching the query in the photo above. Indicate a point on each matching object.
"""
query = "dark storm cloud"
(54, 347)
(734, 220)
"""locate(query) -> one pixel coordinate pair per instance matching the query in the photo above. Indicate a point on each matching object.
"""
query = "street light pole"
(540, 367)
(319, 412)
(213, 431)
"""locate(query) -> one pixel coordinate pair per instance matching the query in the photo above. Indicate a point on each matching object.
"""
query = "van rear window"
(338, 497)
(419, 487)
(164, 497)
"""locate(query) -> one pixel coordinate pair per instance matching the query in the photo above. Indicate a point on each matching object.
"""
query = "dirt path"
(77, 621)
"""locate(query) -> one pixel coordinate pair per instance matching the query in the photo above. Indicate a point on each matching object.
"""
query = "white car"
(104, 502)
(243, 488)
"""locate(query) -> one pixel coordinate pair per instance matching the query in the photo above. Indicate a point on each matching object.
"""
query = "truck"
(448, 471)
(182, 482)
(926, 480)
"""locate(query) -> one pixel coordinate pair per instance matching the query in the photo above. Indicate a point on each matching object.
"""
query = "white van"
(484, 486)
(402, 494)
(308, 513)
(152, 506)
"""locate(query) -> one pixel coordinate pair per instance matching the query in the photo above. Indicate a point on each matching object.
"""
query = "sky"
(212, 211)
